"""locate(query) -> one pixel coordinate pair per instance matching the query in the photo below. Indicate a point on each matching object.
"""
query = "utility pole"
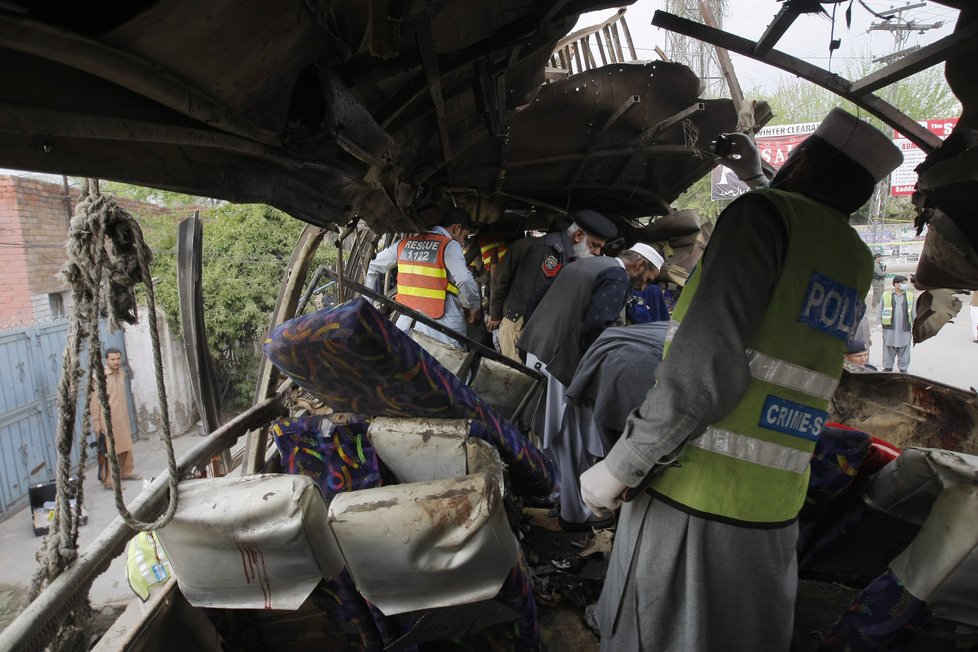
(900, 28)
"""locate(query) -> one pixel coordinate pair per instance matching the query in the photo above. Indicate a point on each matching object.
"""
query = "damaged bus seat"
(434, 557)
(356, 361)
(258, 542)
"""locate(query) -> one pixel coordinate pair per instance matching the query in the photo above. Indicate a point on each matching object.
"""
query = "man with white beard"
(531, 265)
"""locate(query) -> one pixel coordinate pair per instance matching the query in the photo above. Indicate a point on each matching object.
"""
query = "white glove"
(744, 158)
(600, 490)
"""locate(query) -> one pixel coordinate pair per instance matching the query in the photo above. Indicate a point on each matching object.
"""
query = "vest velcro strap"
(749, 449)
(421, 270)
(786, 374)
(671, 332)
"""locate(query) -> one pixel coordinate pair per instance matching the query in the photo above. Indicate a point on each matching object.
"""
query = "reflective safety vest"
(422, 280)
(487, 250)
(752, 466)
(146, 563)
(886, 318)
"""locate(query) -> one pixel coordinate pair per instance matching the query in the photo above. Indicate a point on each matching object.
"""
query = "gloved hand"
(744, 158)
(600, 490)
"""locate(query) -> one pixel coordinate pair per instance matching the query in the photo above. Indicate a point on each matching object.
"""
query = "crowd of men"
(698, 429)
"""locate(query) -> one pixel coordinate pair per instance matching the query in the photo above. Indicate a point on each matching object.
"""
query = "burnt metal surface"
(333, 109)
(906, 410)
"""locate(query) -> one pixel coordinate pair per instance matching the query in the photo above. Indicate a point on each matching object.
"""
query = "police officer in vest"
(896, 315)
(715, 460)
(432, 276)
(530, 267)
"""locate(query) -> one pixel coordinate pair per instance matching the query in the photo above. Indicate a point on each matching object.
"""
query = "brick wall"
(33, 228)
(15, 299)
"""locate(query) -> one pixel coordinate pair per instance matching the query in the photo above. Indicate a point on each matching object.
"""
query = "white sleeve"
(382, 262)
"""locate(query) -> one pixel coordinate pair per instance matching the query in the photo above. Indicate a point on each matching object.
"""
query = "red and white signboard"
(775, 144)
(903, 179)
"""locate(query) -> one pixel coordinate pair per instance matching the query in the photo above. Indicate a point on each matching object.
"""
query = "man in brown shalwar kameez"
(115, 388)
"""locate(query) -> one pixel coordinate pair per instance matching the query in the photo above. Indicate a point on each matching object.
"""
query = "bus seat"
(255, 542)
(426, 545)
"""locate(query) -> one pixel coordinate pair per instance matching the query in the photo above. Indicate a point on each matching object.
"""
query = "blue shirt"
(644, 306)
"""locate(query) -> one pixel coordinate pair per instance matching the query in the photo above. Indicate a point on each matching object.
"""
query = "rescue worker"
(896, 315)
(432, 276)
(705, 552)
(531, 265)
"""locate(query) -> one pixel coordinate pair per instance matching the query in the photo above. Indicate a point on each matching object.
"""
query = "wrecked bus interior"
(381, 490)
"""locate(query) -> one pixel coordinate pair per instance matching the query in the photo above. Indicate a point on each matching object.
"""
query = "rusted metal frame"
(604, 59)
(886, 112)
(587, 31)
(950, 46)
(726, 65)
(18, 119)
(652, 133)
(203, 379)
(26, 631)
(585, 47)
(618, 51)
(429, 61)
(285, 305)
(577, 58)
(619, 112)
(145, 78)
(311, 287)
(628, 37)
(615, 58)
(635, 190)
(600, 153)
(782, 21)
(649, 135)
(563, 59)
(471, 344)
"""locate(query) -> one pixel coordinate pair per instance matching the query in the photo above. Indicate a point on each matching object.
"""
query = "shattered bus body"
(362, 119)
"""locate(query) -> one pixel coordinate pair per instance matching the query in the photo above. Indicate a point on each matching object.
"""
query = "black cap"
(855, 346)
(595, 224)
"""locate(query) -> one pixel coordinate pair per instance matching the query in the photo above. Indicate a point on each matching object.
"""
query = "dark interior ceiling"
(335, 109)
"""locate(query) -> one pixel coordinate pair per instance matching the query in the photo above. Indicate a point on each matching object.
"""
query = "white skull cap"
(647, 252)
(866, 145)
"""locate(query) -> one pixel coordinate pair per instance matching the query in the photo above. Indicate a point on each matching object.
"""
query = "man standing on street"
(532, 264)
(896, 314)
(115, 389)
(716, 459)
(432, 276)
(879, 275)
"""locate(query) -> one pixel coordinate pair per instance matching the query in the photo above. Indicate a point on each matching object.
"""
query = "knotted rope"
(107, 258)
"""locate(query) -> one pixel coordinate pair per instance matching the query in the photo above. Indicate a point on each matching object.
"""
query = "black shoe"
(540, 502)
(593, 523)
(888, 369)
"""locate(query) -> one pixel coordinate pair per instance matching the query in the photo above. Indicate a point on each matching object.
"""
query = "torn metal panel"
(564, 125)
(906, 410)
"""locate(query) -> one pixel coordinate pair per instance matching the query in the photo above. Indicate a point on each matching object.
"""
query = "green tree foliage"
(245, 251)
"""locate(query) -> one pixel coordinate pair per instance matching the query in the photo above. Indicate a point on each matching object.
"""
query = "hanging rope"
(107, 258)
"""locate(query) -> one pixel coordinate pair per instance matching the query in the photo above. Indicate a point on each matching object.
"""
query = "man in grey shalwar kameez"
(612, 379)
(691, 578)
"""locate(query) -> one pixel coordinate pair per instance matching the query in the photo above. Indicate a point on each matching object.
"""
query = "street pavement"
(19, 546)
(950, 357)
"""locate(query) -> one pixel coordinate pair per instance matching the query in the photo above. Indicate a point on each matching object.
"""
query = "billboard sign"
(903, 179)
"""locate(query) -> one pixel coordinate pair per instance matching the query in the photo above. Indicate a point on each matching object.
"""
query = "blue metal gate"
(30, 368)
